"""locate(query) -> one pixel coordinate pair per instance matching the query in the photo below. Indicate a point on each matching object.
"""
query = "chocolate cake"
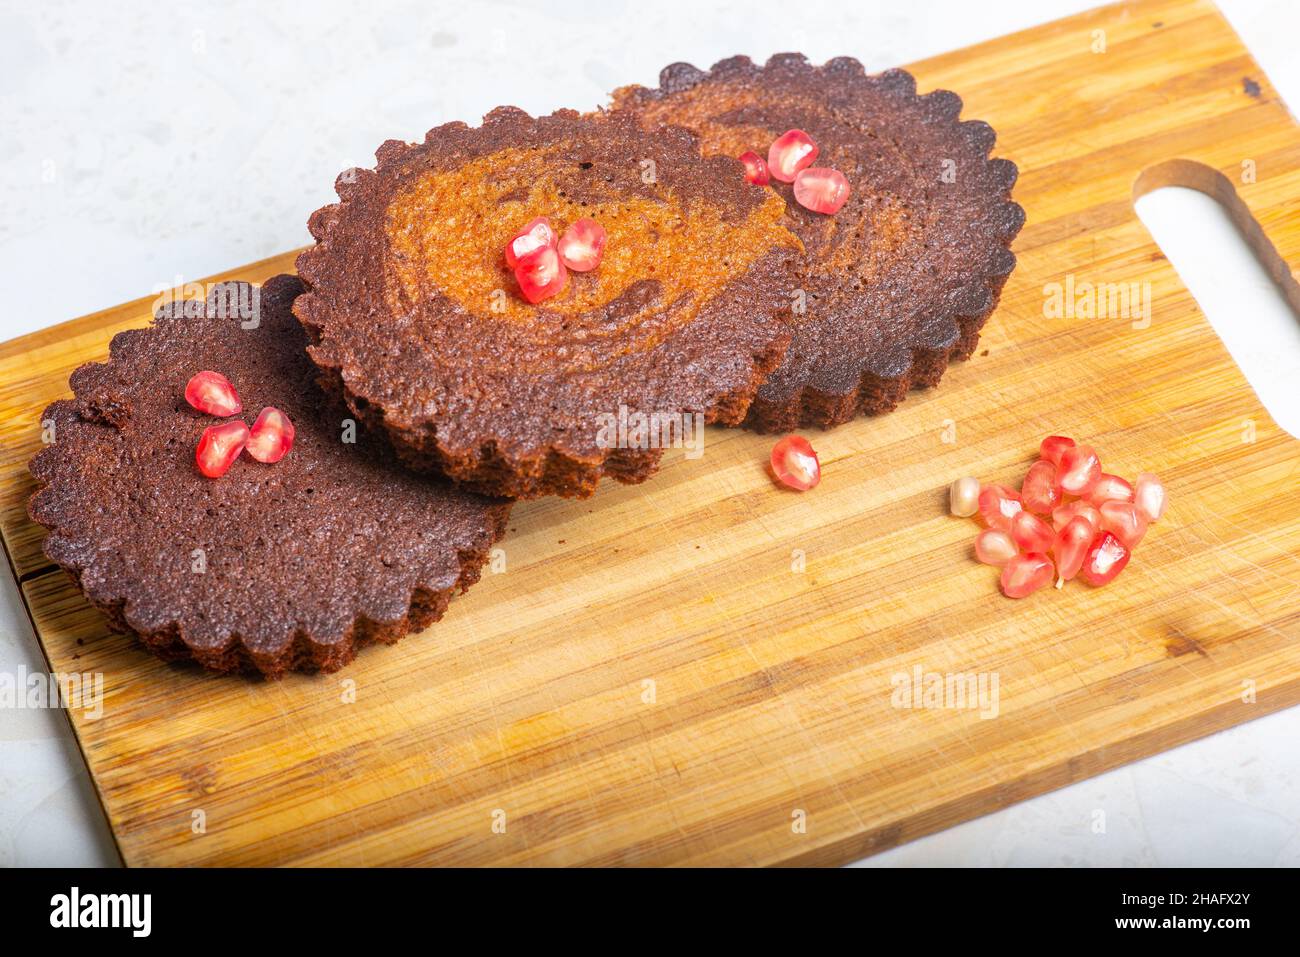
(900, 280)
(418, 323)
(271, 567)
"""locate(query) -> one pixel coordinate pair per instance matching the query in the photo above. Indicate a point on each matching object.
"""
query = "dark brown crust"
(414, 386)
(309, 585)
(939, 321)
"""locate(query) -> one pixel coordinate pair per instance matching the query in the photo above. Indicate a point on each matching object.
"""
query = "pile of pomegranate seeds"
(790, 159)
(1096, 519)
(795, 464)
(269, 440)
(541, 260)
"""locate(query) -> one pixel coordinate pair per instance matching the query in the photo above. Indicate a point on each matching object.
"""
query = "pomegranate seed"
(822, 190)
(1031, 533)
(541, 274)
(794, 463)
(998, 505)
(272, 435)
(994, 547)
(1039, 491)
(211, 392)
(219, 446)
(537, 234)
(755, 168)
(790, 152)
(1070, 547)
(1061, 516)
(1053, 447)
(1110, 488)
(1123, 520)
(1106, 558)
(1149, 497)
(1079, 471)
(964, 497)
(582, 245)
(1024, 574)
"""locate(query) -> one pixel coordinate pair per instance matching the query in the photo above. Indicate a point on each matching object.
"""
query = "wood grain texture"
(772, 687)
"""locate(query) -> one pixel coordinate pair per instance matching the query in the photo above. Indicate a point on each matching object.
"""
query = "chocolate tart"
(269, 568)
(418, 323)
(900, 280)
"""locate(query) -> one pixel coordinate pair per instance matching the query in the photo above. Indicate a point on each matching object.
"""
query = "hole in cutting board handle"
(1241, 283)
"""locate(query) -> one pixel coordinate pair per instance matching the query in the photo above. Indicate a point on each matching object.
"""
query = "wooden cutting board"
(703, 669)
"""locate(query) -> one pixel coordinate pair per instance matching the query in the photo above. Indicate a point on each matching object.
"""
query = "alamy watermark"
(651, 430)
(962, 691)
(82, 691)
(1098, 300)
(133, 912)
(219, 300)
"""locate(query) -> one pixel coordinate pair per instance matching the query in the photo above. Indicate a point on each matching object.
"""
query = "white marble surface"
(141, 143)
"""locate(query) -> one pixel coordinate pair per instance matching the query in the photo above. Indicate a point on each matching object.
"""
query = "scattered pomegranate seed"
(541, 274)
(1039, 492)
(1023, 575)
(1053, 447)
(964, 497)
(1079, 471)
(821, 189)
(219, 446)
(790, 152)
(271, 437)
(998, 505)
(211, 392)
(794, 463)
(1123, 520)
(1149, 497)
(1106, 558)
(582, 245)
(1070, 548)
(1031, 533)
(536, 235)
(1110, 488)
(994, 547)
(755, 168)
(1061, 516)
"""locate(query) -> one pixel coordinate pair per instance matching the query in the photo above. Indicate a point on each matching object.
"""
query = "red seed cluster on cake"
(789, 159)
(269, 440)
(274, 568)
(542, 260)
(590, 265)
(905, 220)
